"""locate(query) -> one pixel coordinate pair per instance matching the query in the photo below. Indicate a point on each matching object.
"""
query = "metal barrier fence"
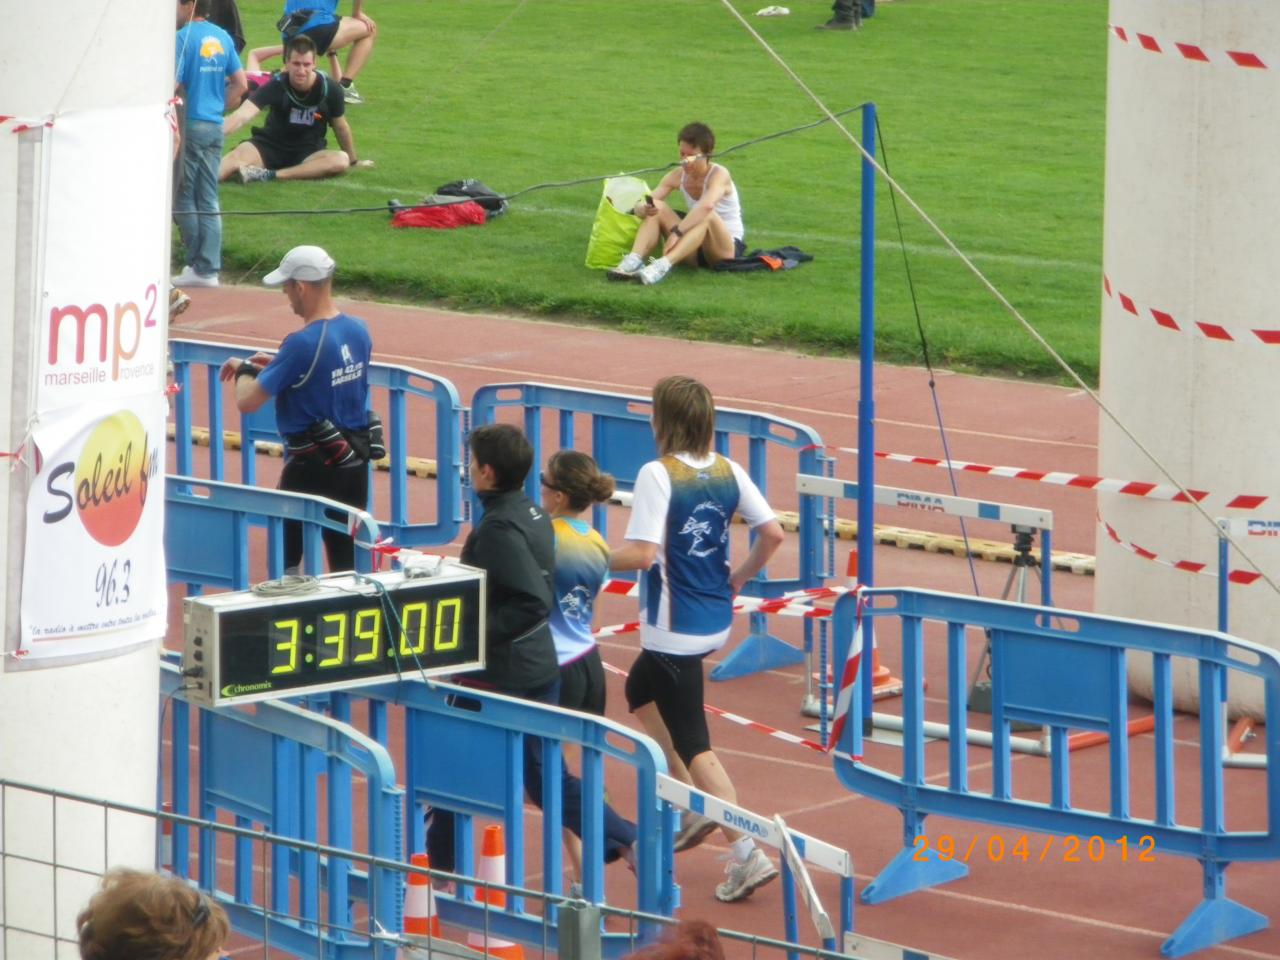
(397, 393)
(620, 438)
(1066, 670)
(569, 929)
(207, 528)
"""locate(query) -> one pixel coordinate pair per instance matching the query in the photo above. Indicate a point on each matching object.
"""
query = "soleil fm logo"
(107, 484)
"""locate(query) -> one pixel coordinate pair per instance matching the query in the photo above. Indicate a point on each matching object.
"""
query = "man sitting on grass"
(301, 105)
(711, 231)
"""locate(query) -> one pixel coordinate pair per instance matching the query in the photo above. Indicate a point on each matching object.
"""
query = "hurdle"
(795, 849)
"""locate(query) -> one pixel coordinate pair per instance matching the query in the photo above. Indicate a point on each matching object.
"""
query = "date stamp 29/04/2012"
(1023, 849)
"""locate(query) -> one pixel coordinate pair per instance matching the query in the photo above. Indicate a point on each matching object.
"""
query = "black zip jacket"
(515, 545)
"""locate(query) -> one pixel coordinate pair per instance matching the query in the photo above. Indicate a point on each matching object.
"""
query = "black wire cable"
(550, 185)
(928, 364)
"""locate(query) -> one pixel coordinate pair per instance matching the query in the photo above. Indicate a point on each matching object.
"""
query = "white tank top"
(727, 207)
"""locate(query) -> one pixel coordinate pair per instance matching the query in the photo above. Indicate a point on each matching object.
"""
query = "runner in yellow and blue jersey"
(571, 483)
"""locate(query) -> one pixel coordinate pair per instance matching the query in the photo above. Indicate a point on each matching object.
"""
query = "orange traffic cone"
(883, 682)
(493, 868)
(420, 902)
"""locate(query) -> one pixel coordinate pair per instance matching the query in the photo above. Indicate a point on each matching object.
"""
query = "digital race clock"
(347, 630)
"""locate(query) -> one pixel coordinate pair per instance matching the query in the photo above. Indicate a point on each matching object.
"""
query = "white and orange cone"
(883, 682)
(420, 901)
(493, 868)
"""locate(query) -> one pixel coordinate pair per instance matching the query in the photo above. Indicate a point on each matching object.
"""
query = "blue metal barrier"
(1062, 670)
(621, 441)
(391, 389)
(469, 759)
(207, 531)
(262, 765)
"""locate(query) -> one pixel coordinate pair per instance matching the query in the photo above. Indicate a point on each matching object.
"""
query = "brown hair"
(300, 43)
(144, 916)
(699, 135)
(690, 940)
(684, 416)
(579, 478)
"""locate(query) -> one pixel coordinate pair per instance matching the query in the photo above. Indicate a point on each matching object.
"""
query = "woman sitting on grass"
(711, 231)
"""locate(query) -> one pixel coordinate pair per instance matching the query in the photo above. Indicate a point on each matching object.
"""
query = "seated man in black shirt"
(301, 105)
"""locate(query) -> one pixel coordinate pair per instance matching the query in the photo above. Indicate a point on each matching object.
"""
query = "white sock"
(742, 848)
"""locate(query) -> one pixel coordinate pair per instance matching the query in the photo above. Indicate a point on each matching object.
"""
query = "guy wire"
(1003, 300)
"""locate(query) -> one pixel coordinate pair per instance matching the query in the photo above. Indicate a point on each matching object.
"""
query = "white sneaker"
(694, 828)
(252, 173)
(755, 871)
(627, 268)
(655, 271)
(189, 278)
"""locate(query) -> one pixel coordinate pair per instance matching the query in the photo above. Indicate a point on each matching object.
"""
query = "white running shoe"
(755, 871)
(655, 271)
(351, 95)
(252, 173)
(189, 278)
(627, 268)
(694, 828)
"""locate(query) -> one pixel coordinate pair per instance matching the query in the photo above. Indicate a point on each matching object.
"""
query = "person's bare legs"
(657, 730)
(359, 37)
(711, 235)
(244, 155)
(253, 62)
(321, 164)
(654, 228)
(705, 772)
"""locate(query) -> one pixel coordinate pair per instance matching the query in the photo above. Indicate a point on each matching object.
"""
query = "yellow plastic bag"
(615, 226)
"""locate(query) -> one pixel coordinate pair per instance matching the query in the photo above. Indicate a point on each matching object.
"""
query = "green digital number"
(407, 613)
(369, 629)
(289, 646)
(454, 607)
(338, 640)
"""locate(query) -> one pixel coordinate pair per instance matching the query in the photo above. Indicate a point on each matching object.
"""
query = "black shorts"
(582, 685)
(739, 248)
(277, 156)
(674, 684)
(321, 36)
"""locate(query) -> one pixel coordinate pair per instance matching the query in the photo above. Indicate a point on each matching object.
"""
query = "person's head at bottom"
(145, 916)
(688, 940)
(306, 276)
(501, 458)
(684, 416)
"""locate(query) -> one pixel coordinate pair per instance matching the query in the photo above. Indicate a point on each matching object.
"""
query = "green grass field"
(992, 114)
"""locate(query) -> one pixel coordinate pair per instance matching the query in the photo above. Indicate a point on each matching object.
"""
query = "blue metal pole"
(866, 395)
(1223, 572)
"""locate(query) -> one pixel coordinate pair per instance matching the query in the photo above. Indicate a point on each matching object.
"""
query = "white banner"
(105, 291)
(94, 560)
(94, 571)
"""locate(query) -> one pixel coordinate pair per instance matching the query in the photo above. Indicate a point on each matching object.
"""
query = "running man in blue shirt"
(209, 76)
(320, 381)
(678, 538)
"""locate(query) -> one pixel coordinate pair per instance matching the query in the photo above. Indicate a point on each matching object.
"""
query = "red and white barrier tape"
(747, 722)
(1209, 331)
(1084, 481)
(1188, 51)
(797, 603)
(1243, 577)
(848, 677)
(18, 124)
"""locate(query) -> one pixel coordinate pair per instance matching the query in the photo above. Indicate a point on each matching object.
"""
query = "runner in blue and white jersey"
(679, 537)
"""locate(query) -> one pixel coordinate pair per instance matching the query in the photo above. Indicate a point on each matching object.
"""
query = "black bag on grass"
(493, 203)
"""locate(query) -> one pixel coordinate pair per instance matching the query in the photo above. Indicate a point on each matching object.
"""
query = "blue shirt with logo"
(582, 563)
(206, 57)
(321, 373)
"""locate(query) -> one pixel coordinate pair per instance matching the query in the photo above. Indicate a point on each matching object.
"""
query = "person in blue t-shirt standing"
(678, 539)
(209, 76)
(320, 381)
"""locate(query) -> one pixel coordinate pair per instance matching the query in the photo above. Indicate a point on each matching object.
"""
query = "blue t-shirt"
(582, 563)
(322, 11)
(206, 57)
(321, 373)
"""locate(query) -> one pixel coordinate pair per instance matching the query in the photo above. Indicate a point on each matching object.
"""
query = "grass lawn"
(992, 114)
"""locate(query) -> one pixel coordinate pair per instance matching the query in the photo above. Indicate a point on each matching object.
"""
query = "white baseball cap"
(301, 263)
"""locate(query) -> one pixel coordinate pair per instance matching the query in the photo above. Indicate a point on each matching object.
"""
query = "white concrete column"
(1190, 328)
